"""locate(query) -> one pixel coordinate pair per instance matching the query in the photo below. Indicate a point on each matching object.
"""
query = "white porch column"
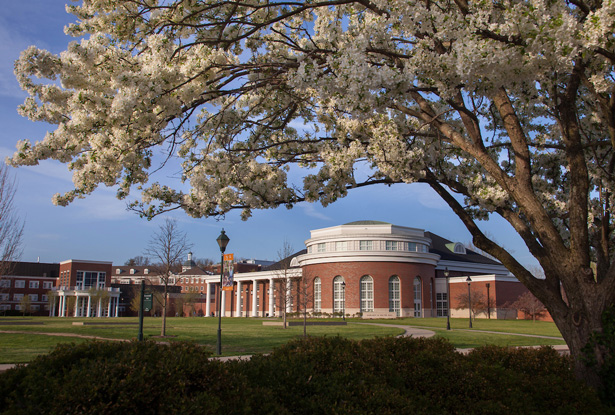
(223, 304)
(288, 298)
(254, 297)
(117, 306)
(99, 308)
(270, 297)
(238, 300)
(88, 313)
(208, 301)
(61, 305)
(76, 305)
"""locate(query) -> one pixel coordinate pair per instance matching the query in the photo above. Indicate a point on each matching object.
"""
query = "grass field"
(249, 336)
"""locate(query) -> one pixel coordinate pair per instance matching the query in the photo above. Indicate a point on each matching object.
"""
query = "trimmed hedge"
(328, 375)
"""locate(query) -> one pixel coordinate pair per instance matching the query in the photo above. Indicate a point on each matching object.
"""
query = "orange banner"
(228, 272)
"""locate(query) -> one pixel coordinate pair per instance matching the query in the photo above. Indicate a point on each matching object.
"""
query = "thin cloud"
(309, 210)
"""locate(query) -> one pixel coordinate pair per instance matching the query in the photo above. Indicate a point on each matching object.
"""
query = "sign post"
(142, 294)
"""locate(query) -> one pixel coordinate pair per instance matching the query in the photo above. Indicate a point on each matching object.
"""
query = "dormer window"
(457, 248)
(146, 271)
(118, 271)
(132, 271)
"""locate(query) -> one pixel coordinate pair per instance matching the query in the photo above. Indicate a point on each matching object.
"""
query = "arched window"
(317, 293)
(338, 294)
(367, 293)
(394, 296)
(417, 285)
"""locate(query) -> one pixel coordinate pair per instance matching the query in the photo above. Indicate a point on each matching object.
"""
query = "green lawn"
(249, 336)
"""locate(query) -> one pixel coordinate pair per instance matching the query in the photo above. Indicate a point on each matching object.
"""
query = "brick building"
(33, 280)
(368, 268)
(83, 289)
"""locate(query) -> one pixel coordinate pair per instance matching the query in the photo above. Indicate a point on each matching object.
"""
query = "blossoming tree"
(509, 104)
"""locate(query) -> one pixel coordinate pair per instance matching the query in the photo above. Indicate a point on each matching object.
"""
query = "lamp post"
(448, 300)
(344, 300)
(469, 280)
(488, 302)
(222, 243)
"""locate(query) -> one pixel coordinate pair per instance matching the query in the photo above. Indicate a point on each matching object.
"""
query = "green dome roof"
(368, 222)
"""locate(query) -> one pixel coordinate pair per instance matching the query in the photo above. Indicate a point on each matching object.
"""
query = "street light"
(222, 243)
(469, 280)
(488, 302)
(448, 300)
(344, 300)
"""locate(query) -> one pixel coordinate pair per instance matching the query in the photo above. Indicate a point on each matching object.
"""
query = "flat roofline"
(86, 261)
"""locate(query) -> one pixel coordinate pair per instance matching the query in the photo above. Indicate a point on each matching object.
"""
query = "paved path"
(409, 331)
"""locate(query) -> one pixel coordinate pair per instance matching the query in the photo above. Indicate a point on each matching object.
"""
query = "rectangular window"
(321, 247)
(33, 297)
(5, 284)
(89, 279)
(366, 245)
(33, 284)
(35, 307)
(4, 297)
(5, 307)
(47, 285)
(391, 246)
(20, 284)
(17, 297)
(340, 246)
(45, 297)
(441, 304)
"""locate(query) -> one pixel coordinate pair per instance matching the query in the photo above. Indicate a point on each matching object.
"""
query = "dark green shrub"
(330, 375)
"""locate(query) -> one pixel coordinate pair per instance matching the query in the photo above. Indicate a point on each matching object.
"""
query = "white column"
(270, 297)
(88, 312)
(238, 301)
(288, 294)
(99, 308)
(223, 304)
(76, 305)
(117, 306)
(61, 305)
(208, 301)
(254, 297)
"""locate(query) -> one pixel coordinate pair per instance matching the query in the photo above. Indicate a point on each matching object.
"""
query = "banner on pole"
(229, 271)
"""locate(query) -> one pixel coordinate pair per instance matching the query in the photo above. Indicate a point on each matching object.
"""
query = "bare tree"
(479, 302)
(138, 261)
(167, 247)
(26, 304)
(282, 282)
(305, 286)
(529, 305)
(203, 262)
(11, 227)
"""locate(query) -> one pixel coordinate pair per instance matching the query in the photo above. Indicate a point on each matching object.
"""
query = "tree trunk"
(582, 319)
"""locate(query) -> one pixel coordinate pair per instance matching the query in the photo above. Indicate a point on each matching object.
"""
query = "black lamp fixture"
(223, 241)
(448, 299)
(469, 280)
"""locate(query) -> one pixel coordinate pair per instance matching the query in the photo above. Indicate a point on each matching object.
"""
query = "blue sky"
(100, 227)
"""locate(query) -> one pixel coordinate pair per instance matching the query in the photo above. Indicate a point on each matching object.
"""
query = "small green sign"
(148, 302)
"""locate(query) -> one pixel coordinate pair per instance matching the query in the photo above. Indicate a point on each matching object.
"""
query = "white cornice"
(368, 256)
(471, 268)
(483, 278)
